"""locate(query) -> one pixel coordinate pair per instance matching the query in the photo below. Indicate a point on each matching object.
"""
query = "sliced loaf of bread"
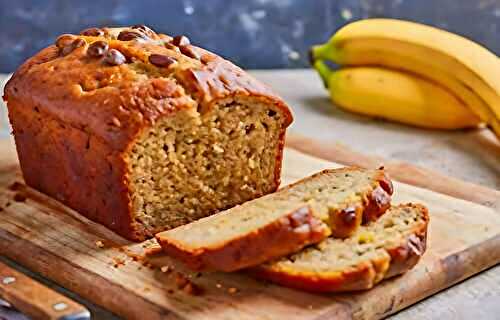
(331, 202)
(382, 249)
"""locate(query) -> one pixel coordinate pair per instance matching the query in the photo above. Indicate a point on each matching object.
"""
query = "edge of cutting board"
(400, 171)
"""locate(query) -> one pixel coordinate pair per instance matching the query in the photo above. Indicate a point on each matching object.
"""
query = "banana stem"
(324, 51)
(324, 71)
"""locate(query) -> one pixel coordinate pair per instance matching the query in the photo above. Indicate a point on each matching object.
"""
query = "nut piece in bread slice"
(330, 202)
(382, 249)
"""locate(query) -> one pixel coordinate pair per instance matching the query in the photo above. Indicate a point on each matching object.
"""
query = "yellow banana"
(468, 70)
(396, 96)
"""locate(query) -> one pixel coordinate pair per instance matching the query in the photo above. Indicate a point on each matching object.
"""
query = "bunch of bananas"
(411, 73)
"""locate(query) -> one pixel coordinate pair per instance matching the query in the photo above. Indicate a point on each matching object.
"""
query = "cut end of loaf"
(192, 165)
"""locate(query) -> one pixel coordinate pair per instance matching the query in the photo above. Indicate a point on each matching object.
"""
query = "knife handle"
(36, 300)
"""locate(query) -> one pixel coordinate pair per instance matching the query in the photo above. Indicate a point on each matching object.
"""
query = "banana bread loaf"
(382, 249)
(306, 212)
(143, 132)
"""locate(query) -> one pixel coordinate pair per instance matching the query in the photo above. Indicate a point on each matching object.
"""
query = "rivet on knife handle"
(36, 300)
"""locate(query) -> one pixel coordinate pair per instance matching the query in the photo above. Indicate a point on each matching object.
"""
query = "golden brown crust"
(110, 104)
(59, 162)
(407, 255)
(358, 278)
(288, 234)
(398, 259)
(137, 96)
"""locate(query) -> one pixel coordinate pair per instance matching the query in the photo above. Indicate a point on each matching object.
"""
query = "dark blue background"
(253, 33)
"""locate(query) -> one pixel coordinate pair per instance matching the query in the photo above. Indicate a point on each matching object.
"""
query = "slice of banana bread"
(382, 249)
(329, 202)
(143, 132)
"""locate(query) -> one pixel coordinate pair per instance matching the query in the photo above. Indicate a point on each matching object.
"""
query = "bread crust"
(101, 110)
(398, 259)
(290, 233)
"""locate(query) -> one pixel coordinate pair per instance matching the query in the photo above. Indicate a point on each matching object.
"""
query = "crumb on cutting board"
(186, 285)
(19, 197)
(166, 269)
(118, 262)
(99, 244)
(232, 290)
(193, 289)
(15, 186)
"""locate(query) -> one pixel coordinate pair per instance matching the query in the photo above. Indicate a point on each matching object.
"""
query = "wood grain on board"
(49, 238)
(401, 171)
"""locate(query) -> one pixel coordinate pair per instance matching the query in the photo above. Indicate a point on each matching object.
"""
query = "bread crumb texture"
(192, 164)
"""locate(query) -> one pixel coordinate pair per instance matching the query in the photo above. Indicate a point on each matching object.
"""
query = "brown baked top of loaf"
(113, 82)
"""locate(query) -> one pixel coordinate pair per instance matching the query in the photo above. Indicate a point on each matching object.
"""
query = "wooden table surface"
(472, 155)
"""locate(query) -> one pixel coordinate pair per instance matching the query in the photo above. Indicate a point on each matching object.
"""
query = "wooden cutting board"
(46, 237)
